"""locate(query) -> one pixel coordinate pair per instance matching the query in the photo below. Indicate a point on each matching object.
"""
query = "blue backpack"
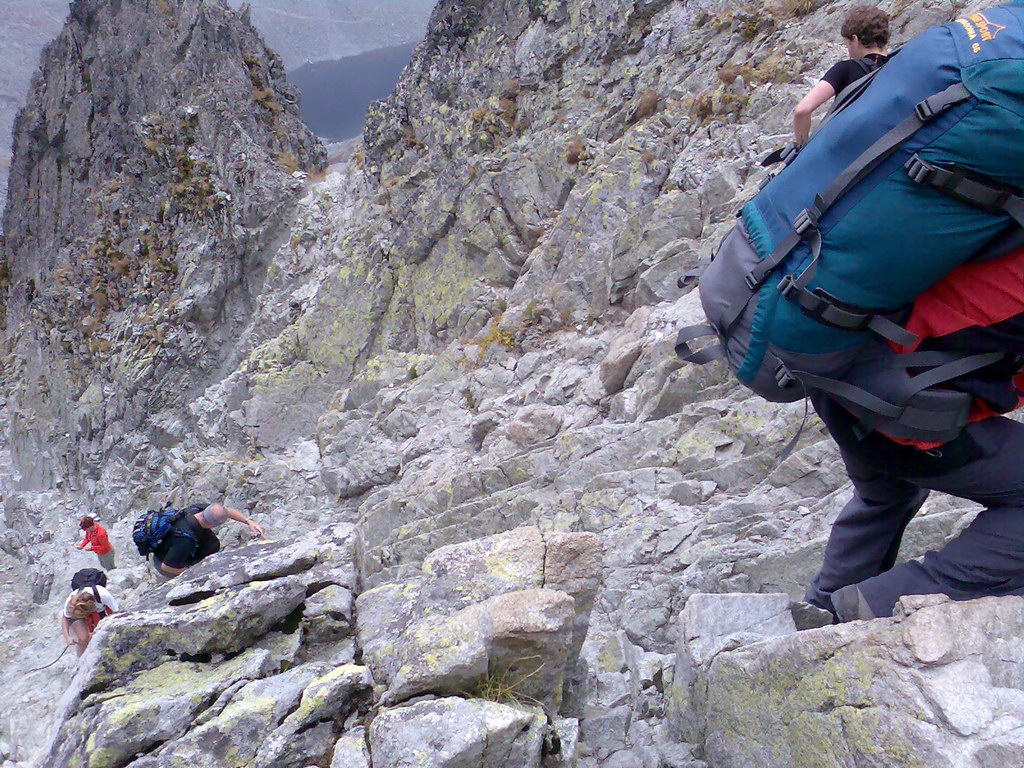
(154, 526)
(919, 175)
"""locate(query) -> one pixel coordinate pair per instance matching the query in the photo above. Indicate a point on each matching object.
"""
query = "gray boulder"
(351, 750)
(709, 625)
(459, 597)
(457, 733)
(513, 645)
(941, 685)
(128, 643)
(158, 706)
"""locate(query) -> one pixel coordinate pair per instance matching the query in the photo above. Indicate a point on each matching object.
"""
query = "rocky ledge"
(269, 657)
(256, 658)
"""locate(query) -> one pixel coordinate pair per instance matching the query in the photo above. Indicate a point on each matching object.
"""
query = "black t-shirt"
(846, 72)
(187, 544)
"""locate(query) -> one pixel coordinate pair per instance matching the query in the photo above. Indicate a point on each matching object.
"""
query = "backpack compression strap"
(805, 226)
(985, 194)
(701, 356)
(921, 415)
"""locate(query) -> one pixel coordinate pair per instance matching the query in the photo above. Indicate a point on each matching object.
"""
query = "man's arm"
(255, 527)
(818, 95)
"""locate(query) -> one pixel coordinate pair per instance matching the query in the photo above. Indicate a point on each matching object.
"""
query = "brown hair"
(87, 523)
(869, 24)
(82, 604)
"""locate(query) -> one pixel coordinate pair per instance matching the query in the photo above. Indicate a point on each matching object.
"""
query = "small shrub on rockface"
(253, 67)
(511, 88)
(471, 403)
(531, 312)
(265, 97)
(575, 151)
(751, 21)
(792, 9)
(503, 684)
(495, 333)
(647, 105)
(409, 136)
(701, 106)
(288, 161)
(508, 108)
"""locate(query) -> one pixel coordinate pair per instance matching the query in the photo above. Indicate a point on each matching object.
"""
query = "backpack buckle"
(919, 170)
(786, 285)
(789, 152)
(805, 220)
(751, 281)
(925, 111)
(783, 377)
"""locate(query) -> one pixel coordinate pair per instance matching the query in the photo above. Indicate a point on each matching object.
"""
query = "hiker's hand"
(71, 640)
(257, 531)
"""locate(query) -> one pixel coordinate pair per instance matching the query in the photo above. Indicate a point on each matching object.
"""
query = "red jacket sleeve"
(100, 541)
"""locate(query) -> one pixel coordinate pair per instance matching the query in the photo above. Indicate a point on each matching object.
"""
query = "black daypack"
(154, 526)
(88, 577)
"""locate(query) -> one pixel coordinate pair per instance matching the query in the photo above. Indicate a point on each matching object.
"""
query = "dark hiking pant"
(891, 482)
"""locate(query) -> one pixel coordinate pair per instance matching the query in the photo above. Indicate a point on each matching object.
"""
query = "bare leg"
(81, 633)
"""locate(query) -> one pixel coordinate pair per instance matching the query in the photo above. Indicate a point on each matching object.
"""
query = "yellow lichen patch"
(821, 714)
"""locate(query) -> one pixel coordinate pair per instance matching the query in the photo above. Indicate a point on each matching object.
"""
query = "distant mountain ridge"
(308, 31)
(300, 31)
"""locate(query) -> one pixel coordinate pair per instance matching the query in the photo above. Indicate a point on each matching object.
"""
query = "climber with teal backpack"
(175, 539)
(881, 274)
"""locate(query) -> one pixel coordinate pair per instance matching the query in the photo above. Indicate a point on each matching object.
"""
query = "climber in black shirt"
(865, 33)
(192, 539)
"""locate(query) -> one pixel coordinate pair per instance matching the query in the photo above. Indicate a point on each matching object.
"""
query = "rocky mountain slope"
(300, 31)
(464, 331)
(26, 27)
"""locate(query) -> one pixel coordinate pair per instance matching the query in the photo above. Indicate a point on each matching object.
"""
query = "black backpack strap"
(984, 194)
(823, 307)
(922, 415)
(865, 65)
(702, 356)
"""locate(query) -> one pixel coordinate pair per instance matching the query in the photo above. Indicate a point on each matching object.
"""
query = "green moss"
(505, 566)
(819, 712)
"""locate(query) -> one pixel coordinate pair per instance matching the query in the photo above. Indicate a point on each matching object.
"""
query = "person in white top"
(82, 611)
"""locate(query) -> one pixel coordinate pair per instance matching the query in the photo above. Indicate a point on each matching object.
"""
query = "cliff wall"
(463, 330)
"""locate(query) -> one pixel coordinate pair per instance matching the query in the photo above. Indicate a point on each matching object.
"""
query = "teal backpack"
(920, 174)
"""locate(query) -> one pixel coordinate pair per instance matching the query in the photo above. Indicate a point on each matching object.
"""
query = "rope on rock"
(39, 669)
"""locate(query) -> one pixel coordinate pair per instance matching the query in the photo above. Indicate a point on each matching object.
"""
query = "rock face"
(509, 612)
(460, 344)
(941, 684)
(140, 208)
(215, 667)
(223, 666)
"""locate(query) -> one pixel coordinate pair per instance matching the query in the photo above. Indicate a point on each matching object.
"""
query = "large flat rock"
(939, 686)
